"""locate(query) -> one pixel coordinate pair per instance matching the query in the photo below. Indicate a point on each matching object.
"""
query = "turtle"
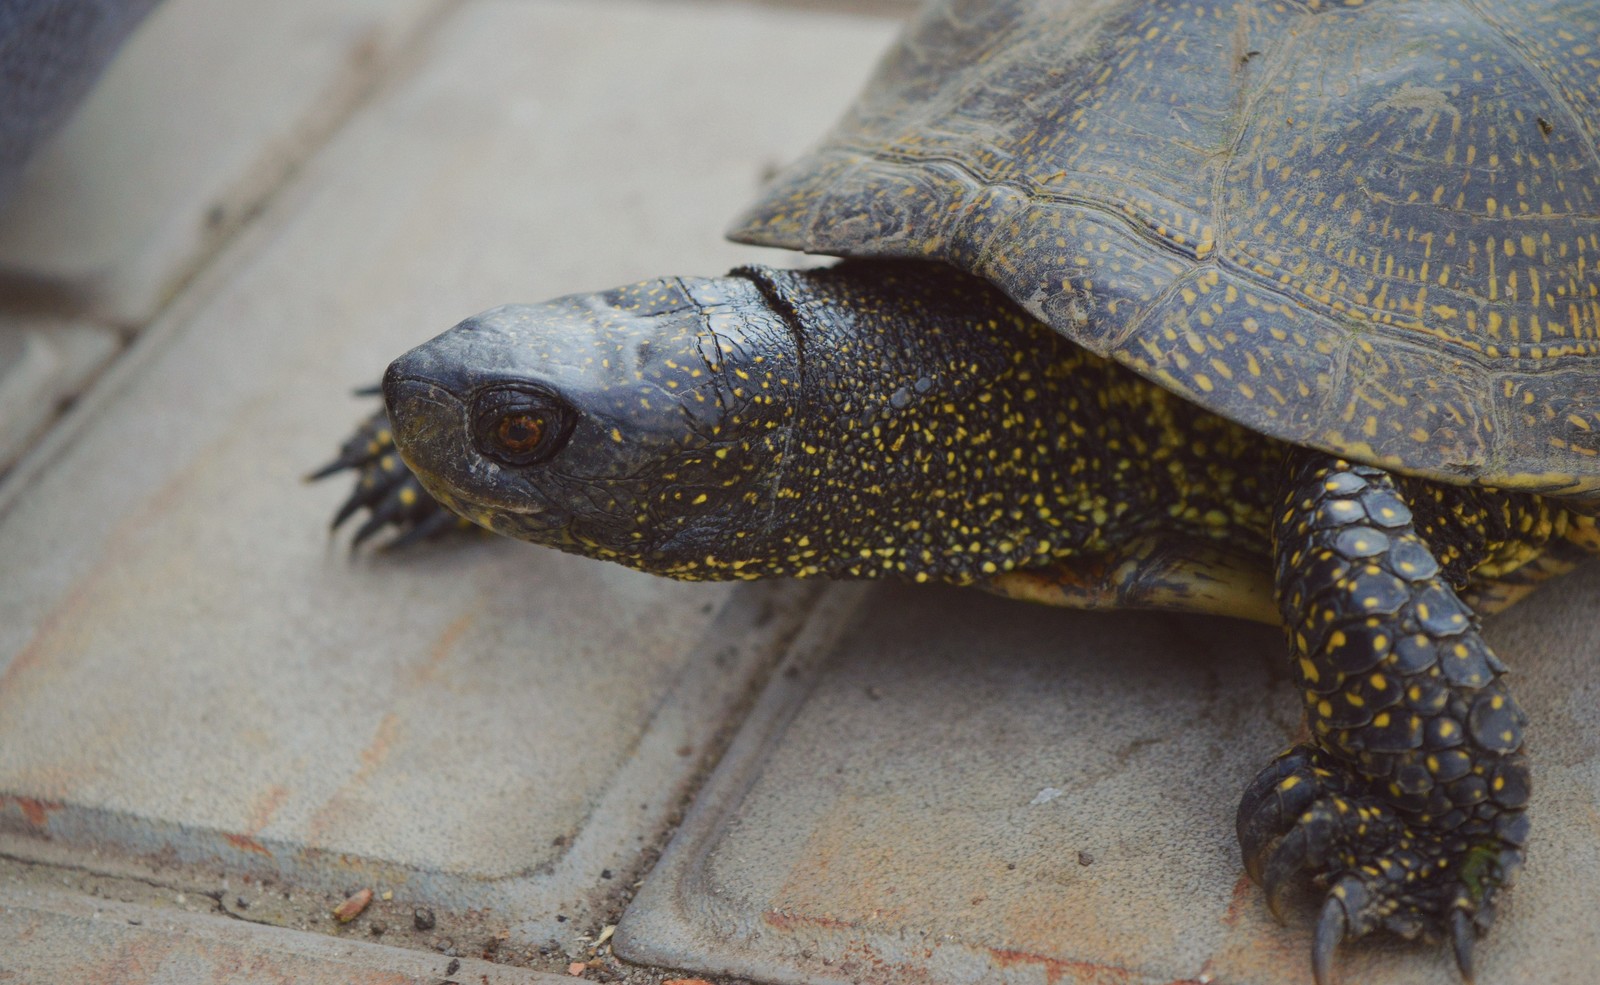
(1286, 310)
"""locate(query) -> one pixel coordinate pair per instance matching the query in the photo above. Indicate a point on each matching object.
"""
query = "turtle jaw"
(430, 430)
(429, 393)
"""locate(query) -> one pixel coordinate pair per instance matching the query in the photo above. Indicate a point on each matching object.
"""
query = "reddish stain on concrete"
(342, 807)
(442, 647)
(35, 812)
(863, 962)
(245, 843)
(1077, 972)
(794, 921)
(265, 806)
(54, 635)
(148, 959)
(1243, 892)
(378, 749)
(1055, 969)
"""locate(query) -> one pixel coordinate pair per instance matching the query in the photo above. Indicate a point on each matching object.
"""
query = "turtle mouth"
(430, 422)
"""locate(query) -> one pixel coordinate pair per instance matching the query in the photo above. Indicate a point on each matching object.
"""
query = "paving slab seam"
(125, 886)
(642, 929)
(682, 908)
(614, 836)
(52, 837)
(137, 944)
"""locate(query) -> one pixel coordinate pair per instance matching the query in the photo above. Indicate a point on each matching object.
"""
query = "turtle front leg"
(1408, 802)
(385, 488)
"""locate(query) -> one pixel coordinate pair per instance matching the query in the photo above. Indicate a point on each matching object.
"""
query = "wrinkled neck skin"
(936, 432)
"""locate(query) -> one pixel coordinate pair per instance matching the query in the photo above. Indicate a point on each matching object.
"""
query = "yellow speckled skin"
(1368, 227)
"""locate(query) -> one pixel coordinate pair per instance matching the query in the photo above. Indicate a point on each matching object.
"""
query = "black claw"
(358, 498)
(373, 525)
(1462, 939)
(1274, 811)
(332, 468)
(1265, 784)
(430, 525)
(1331, 928)
(1283, 865)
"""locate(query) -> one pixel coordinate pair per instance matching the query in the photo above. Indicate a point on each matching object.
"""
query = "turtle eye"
(516, 426)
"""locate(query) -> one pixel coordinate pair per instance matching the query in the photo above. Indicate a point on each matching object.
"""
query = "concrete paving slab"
(974, 790)
(66, 938)
(44, 362)
(192, 675)
(207, 109)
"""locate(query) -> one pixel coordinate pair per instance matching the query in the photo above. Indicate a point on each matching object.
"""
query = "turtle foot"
(1380, 869)
(386, 489)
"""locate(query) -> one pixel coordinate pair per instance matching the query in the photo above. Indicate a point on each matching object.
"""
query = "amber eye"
(518, 426)
(519, 434)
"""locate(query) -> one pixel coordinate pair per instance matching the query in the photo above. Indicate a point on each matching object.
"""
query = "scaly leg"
(1408, 803)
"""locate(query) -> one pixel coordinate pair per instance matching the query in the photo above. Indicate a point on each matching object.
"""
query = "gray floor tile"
(191, 674)
(973, 790)
(204, 113)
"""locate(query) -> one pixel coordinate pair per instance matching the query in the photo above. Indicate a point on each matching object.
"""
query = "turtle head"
(636, 425)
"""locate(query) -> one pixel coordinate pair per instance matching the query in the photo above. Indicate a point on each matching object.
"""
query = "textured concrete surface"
(205, 111)
(44, 361)
(62, 938)
(970, 789)
(194, 675)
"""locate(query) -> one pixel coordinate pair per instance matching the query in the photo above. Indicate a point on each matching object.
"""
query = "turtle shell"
(1368, 226)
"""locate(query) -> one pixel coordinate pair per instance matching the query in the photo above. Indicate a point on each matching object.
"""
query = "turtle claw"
(1462, 940)
(1283, 865)
(1381, 870)
(1332, 926)
(1274, 801)
(436, 523)
(332, 468)
(372, 526)
(1262, 810)
(358, 498)
(385, 488)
